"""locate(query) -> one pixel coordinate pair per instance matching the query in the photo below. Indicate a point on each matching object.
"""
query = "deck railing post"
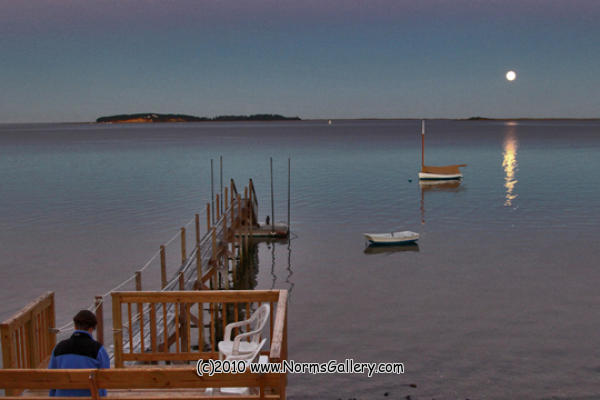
(98, 305)
(183, 247)
(163, 267)
(29, 344)
(183, 321)
(51, 324)
(117, 329)
(8, 356)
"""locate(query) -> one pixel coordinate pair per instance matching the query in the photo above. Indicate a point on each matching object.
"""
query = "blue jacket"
(78, 351)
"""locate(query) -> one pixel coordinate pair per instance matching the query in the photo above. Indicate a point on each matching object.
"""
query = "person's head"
(85, 320)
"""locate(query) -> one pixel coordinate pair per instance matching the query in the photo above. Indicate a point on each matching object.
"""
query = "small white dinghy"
(403, 237)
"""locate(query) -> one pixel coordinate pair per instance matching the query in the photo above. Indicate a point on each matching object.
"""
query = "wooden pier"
(157, 334)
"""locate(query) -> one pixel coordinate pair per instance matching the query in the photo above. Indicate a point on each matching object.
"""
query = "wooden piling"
(197, 220)
(232, 211)
(163, 267)
(212, 191)
(199, 267)
(98, 305)
(239, 214)
(272, 200)
(207, 217)
(218, 201)
(183, 249)
(214, 244)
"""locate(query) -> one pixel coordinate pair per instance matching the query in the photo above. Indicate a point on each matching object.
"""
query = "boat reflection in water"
(437, 186)
(509, 163)
(391, 248)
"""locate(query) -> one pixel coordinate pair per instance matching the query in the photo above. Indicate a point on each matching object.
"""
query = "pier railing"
(28, 337)
(179, 326)
(149, 383)
(212, 255)
(182, 321)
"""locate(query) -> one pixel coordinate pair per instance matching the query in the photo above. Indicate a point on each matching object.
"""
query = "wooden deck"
(155, 383)
(173, 327)
(264, 231)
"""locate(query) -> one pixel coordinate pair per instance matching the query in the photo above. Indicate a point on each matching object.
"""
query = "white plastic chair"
(240, 345)
(247, 358)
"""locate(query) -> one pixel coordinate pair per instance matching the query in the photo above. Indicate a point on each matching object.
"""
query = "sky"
(76, 60)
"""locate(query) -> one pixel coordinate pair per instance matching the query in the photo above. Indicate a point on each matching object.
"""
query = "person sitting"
(79, 351)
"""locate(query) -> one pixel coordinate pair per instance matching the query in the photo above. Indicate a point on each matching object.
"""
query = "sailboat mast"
(422, 144)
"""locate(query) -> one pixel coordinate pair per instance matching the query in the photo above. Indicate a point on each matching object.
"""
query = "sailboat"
(432, 173)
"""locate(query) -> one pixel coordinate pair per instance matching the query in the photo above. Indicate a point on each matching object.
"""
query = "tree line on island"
(152, 117)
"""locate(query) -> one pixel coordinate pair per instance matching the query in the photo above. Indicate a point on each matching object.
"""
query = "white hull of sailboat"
(438, 177)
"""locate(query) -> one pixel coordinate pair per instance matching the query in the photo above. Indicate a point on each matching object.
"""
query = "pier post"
(197, 229)
(246, 211)
(239, 218)
(183, 247)
(289, 191)
(232, 211)
(207, 217)
(214, 244)
(199, 267)
(218, 207)
(233, 264)
(138, 280)
(221, 179)
(272, 200)
(98, 305)
(163, 267)
(212, 191)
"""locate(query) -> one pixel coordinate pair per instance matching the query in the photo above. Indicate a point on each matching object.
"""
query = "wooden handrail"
(183, 305)
(28, 337)
(138, 378)
(277, 342)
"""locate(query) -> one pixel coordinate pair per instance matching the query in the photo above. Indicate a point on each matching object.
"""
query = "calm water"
(500, 300)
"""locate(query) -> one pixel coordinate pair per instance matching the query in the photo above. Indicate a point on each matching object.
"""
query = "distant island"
(153, 117)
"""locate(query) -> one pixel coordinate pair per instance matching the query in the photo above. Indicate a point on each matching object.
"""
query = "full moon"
(511, 75)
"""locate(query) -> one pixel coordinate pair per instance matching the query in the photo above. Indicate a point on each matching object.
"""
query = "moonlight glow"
(511, 75)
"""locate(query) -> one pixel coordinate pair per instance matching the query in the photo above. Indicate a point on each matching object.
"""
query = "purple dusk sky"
(74, 60)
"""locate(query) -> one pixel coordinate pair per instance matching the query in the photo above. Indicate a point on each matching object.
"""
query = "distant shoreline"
(157, 118)
(313, 119)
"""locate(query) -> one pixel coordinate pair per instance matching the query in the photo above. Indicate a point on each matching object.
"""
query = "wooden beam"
(208, 296)
(278, 329)
(128, 378)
